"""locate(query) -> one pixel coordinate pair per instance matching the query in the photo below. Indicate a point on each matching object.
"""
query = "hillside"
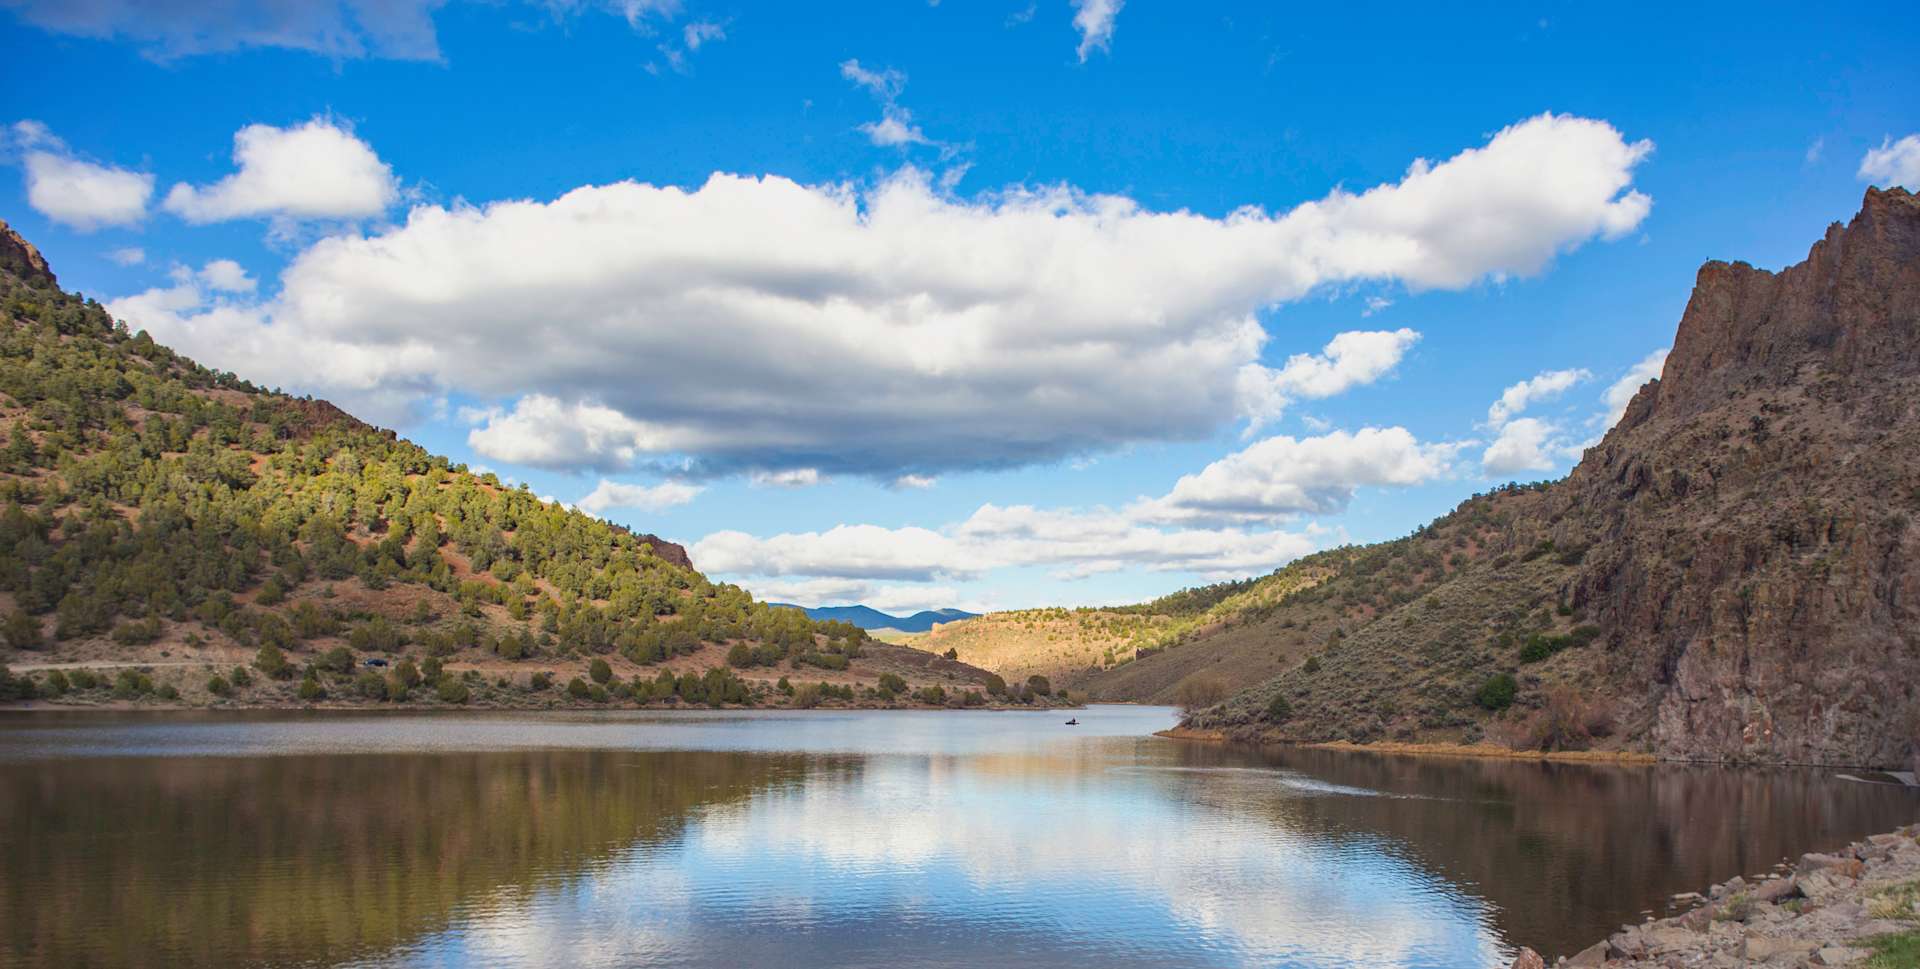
(168, 532)
(1727, 575)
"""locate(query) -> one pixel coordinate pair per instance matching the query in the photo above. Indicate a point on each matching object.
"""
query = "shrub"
(1279, 710)
(137, 632)
(85, 679)
(1199, 691)
(131, 683)
(826, 661)
(784, 687)
(952, 654)
(371, 685)
(272, 662)
(272, 592)
(336, 660)
(996, 685)
(241, 677)
(973, 698)
(891, 685)
(539, 682)
(14, 687)
(806, 696)
(1038, 684)
(600, 671)
(740, 656)
(452, 690)
(310, 689)
(20, 631)
(1497, 692)
(167, 692)
(218, 686)
(597, 693)
(577, 688)
(57, 683)
(933, 695)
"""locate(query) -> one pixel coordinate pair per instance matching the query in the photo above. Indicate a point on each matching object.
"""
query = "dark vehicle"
(375, 661)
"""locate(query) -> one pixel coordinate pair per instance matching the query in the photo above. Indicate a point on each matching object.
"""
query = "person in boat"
(1075, 722)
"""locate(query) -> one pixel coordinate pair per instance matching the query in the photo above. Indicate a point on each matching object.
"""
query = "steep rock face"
(19, 257)
(1742, 550)
(1752, 518)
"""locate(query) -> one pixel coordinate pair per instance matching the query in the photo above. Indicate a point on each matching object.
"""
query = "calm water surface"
(840, 839)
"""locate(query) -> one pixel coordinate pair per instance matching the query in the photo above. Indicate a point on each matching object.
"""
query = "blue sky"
(938, 335)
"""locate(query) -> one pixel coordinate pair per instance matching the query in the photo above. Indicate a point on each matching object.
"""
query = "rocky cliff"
(1730, 574)
(1752, 517)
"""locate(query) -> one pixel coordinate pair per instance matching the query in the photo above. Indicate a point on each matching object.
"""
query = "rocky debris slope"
(1826, 911)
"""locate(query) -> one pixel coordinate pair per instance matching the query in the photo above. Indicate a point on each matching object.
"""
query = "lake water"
(840, 839)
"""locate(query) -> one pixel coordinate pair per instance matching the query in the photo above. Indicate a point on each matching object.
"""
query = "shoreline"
(1479, 751)
(1485, 751)
(1837, 909)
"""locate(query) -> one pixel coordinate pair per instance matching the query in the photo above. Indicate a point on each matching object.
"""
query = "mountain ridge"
(867, 617)
(172, 533)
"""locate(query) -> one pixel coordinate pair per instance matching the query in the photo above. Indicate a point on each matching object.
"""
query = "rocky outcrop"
(20, 258)
(670, 551)
(1824, 911)
(1752, 521)
(1742, 550)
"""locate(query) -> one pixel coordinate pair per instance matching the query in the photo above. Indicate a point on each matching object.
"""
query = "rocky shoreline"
(1859, 906)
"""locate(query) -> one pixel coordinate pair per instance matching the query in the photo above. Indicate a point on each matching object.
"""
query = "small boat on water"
(1075, 722)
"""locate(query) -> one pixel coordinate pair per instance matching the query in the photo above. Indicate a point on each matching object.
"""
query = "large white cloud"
(74, 192)
(1893, 163)
(756, 323)
(316, 170)
(1283, 476)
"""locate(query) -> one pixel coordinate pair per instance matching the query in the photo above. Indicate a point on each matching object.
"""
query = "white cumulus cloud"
(608, 495)
(760, 324)
(1525, 444)
(73, 191)
(227, 276)
(1893, 163)
(316, 170)
(1094, 20)
(1348, 360)
(1537, 389)
(1283, 476)
(128, 256)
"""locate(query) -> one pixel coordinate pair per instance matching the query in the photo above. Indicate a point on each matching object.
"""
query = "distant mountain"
(868, 618)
